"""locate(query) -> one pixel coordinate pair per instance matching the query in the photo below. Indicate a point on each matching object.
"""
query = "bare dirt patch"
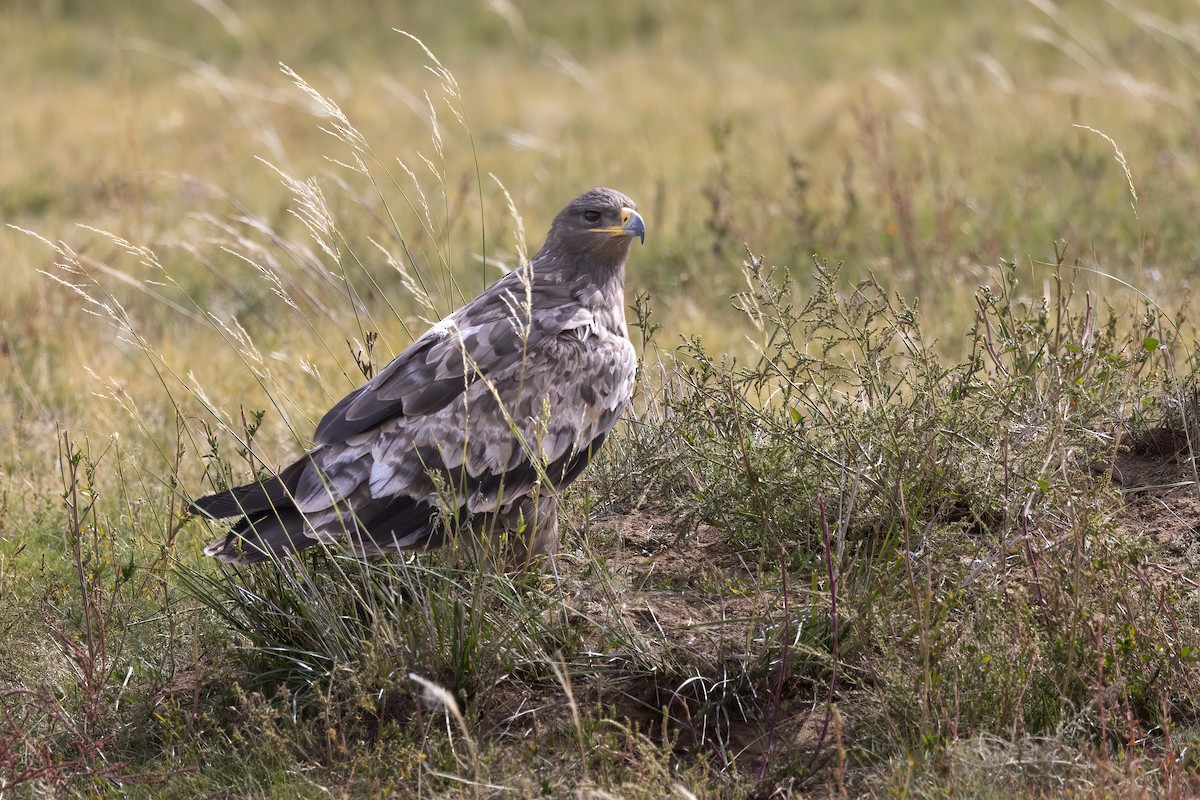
(688, 606)
(1155, 473)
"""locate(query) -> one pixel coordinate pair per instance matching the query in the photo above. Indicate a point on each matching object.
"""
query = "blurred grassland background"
(919, 141)
(923, 142)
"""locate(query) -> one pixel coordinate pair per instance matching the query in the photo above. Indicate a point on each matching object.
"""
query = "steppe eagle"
(477, 425)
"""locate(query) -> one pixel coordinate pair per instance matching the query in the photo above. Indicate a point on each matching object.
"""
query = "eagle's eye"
(592, 216)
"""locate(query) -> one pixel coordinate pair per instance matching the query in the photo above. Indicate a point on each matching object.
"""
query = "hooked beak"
(631, 225)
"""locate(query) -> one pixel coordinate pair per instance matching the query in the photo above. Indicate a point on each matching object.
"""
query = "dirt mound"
(1156, 471)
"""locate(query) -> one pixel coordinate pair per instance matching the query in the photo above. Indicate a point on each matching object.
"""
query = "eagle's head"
(595, 229)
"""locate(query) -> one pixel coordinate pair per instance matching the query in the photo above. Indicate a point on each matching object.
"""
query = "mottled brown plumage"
(480, 422)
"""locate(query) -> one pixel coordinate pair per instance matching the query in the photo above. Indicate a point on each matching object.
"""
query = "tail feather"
(270, 523)
(401, 523)
(269, 535)
(276, 492)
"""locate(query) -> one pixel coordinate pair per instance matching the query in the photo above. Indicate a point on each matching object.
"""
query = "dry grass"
(883, 546)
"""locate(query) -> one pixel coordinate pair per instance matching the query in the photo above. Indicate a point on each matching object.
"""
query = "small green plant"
(947, 518)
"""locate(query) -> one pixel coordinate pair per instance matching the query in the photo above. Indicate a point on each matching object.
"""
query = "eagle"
(477, 425)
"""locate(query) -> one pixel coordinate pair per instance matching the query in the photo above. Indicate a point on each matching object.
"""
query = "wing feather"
(487, 336)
